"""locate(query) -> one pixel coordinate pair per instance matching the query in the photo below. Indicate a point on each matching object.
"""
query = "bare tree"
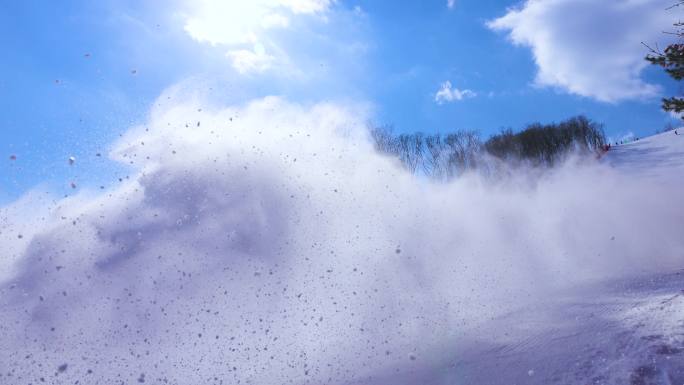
(411, 150)
(433, 164)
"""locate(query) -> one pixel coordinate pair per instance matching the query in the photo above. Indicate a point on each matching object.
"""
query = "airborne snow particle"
(62, 368)
(72, 160)
(13, 157)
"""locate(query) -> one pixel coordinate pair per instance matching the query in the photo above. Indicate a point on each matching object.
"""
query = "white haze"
(269, 244)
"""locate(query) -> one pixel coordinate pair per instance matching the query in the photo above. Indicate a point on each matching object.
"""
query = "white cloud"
(451, 3)
(275, 20)
(238, 23)
(249, 61)
(447, 94)
(587, 47)
(228, 22)
(307, 6)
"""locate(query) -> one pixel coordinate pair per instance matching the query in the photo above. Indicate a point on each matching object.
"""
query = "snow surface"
(272, 245)
(627, 331)
(658, 156)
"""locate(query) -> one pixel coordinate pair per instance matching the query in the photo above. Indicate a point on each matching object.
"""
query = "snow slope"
(622, 331)
(659, 156)
(272, 245)
(627, 331)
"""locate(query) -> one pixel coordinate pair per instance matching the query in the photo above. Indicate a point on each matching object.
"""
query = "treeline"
(445, 156)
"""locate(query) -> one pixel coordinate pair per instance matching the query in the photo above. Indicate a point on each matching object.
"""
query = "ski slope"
(272, 245)
(659, 156)
(624, 331)
(627, 331)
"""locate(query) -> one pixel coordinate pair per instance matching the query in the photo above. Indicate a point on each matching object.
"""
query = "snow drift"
(269, 244)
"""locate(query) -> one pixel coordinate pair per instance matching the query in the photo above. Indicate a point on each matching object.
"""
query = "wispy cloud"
(238, 25)
(246, 61)
(307, 6)
(451, 3)
(448, 94)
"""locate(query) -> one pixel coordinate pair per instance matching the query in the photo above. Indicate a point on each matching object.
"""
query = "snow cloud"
(624, 137)
(268, 243)
(590, 48)
(447, 94)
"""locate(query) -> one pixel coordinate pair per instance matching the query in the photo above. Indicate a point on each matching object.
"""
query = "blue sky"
(76, 74)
